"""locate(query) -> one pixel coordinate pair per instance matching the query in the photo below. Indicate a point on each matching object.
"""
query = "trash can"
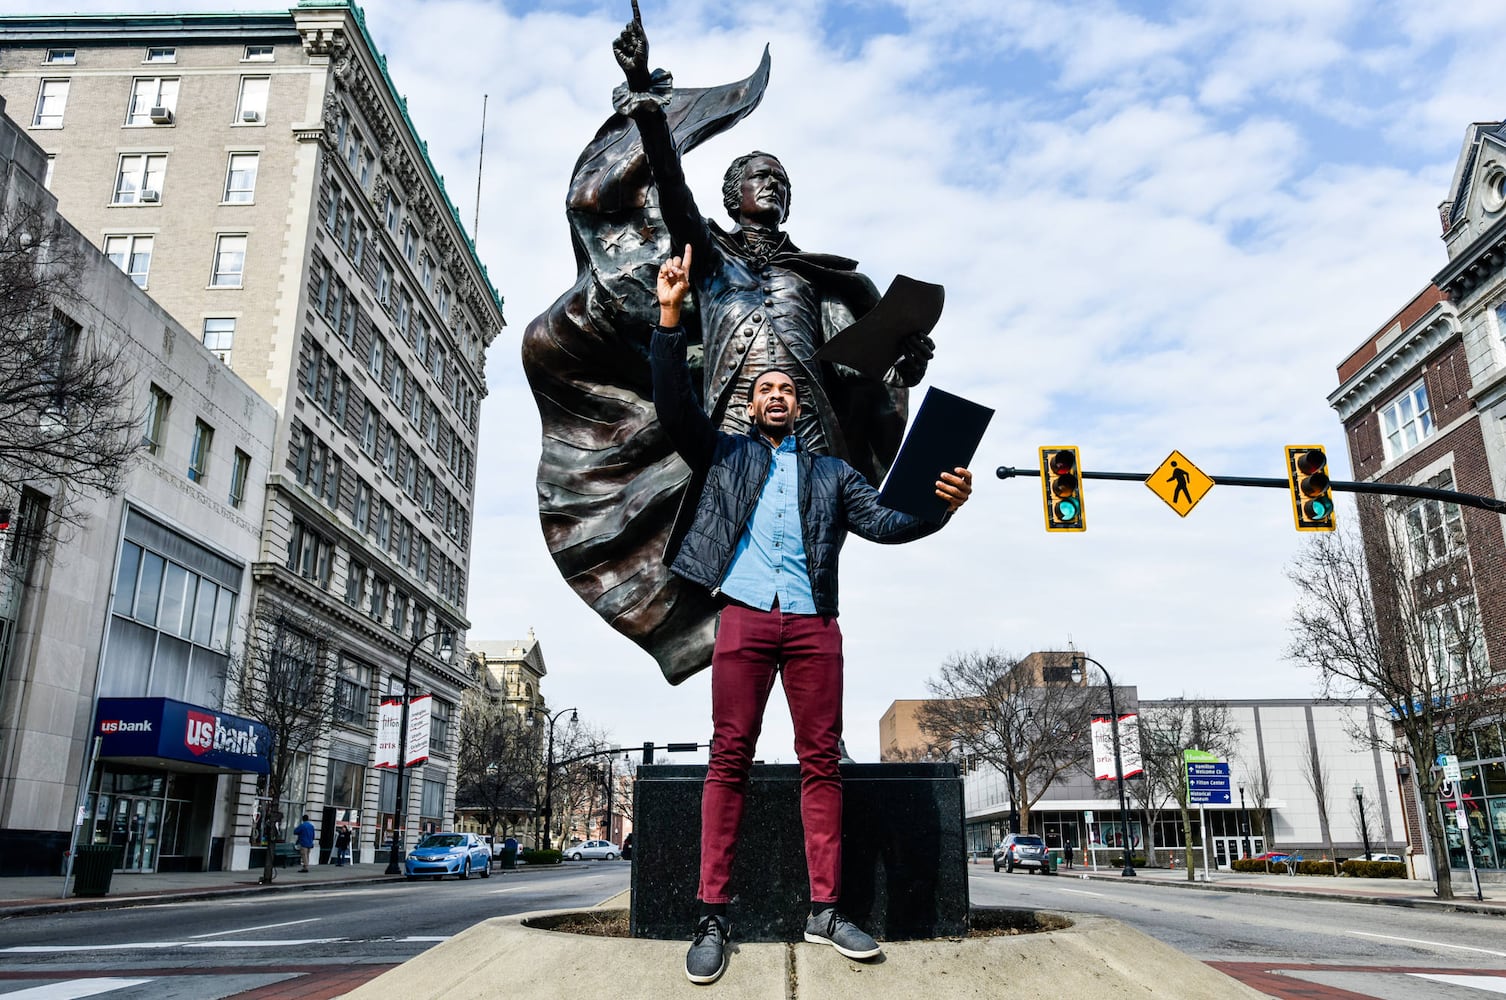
(1056, 863)
(93, 865)
(508, 857)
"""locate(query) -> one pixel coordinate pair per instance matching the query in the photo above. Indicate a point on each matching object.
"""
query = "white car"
(1385, 857)
(603, 849)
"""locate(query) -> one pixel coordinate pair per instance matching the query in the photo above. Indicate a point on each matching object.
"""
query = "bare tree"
(991, 708)
(63, 390)
(496, 761)
(1315, 774)
(284, 679)
(1258, 783)
(1167, 730)
(1388, 614)
(579, 791)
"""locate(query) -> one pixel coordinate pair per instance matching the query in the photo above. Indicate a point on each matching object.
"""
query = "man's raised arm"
(643, 99)
(688, 427)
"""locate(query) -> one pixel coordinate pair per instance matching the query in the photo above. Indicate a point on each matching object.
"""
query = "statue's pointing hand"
(631, 50)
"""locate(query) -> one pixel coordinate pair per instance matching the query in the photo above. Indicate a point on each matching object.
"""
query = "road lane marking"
(1048, 885)
(421, 937)
(1490, 984)
(74, 989)
(50, 949)
(282, 943)
(263, 927)
(1430, 944)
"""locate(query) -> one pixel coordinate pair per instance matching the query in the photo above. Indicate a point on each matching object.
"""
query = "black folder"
(944, 436)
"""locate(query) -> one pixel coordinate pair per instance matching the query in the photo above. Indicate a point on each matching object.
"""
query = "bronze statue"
(609, 483)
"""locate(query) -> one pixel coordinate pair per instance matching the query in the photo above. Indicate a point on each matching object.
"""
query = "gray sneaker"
(707, 958)
(842, 934)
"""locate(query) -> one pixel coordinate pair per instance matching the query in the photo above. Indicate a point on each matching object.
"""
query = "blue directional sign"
(1208, 783)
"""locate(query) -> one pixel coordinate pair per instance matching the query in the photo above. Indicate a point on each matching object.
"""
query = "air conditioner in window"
(250, 116)
(162, 116)
(151, 196)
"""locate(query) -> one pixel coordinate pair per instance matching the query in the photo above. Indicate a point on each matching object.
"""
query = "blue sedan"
(441, 854)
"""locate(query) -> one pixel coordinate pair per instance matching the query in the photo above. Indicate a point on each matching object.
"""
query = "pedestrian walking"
(342, 847)
(303, 835)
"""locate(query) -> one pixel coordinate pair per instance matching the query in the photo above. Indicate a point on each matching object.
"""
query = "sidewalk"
(30, 895)
(1380, 891)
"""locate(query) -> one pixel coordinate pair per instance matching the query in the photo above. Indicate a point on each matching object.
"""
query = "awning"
(162, 732)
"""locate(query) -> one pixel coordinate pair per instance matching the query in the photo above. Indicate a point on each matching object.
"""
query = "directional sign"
(1208, 784)
(1180, 483)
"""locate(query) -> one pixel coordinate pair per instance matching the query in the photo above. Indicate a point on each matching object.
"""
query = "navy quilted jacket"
(730, 470)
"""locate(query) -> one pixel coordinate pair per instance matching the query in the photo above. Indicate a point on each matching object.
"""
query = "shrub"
(549, 857)
(1315, 868)
(1259, 867)
(1358, 868)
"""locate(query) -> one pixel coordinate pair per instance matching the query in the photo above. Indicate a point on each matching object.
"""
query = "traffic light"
(1312, 501)
(1061, 489)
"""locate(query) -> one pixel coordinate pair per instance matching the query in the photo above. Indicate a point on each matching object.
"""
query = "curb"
(1407, 902)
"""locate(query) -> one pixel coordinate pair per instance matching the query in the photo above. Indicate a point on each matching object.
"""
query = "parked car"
(1022, 850)
(1385, 857)
(604, 849)
(441, 854)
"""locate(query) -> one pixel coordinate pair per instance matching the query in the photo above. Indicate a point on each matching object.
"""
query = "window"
(240, 471)
(389, 455)
(162, 55)
(358, 246)
(368, 162)
(369, 430)
(1435, 530)
(353, 146)
(309, 553)
(428, 273)
(423, 559)
(410, 243)
(229, 261)
(51, 99)
(374, 358)
(1407, 422)
(362, 513)
(1455, 642)
(444, 302)
(219, 336)
(258, 53)
(404, 312)
(132, 254)
(421, 340)
(441, 721)
(355, 583)
(376, 607)
(60, 57)
(397, 384)
(198, 456)
(440, 362)
(410, 472)
(157, 405)
(404, 541)
(252, 104)
(416, 406)
(139, 178)
(384, 524)
(384, 281)
(240, 178)
(52, 159)
(153, 101)
(399, 611)
(391, 211)
(352, 693)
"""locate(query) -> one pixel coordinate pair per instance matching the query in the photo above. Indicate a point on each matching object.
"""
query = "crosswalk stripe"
(1490, 984)
(73, 989)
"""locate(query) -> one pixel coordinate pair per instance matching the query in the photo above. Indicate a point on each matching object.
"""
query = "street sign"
(1461, 820)
(1450, 764)
(1180, 483)
(1087, 815)
(1207, 780)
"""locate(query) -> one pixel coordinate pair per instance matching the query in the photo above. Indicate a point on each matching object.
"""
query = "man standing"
(303, 835)
(767, 529)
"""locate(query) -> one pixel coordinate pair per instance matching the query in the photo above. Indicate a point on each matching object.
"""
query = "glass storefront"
(1481, 796)
(156, 820)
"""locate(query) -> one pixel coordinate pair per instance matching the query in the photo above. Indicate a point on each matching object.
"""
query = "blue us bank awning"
(163, 732)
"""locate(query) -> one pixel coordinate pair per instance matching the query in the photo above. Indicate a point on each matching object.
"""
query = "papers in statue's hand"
(876, 341)
(944, 436)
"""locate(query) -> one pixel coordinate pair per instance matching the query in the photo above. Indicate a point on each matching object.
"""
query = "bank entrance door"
(134, 824)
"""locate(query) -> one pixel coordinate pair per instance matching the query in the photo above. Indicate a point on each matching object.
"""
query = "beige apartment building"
(258, 175)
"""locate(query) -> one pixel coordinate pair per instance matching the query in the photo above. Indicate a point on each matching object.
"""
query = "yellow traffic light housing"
(1061, 489)
(1312, 500)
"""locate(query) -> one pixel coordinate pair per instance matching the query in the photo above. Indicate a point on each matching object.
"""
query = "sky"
(1160, 226)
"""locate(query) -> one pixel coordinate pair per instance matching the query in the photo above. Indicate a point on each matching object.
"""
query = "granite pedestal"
(904, 862)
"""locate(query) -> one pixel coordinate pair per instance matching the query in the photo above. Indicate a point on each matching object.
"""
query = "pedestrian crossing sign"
(1180, 483)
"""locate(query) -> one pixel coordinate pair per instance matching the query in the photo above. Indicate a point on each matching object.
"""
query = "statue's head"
(773, 402)
(757, 189)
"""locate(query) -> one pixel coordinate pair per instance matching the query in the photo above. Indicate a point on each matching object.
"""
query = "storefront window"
(276, 820)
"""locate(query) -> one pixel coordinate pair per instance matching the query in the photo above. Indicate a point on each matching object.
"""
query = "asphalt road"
(1286, 946)
(226, 947)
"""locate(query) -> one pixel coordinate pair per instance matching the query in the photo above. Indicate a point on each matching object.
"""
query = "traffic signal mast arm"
(1387, 489)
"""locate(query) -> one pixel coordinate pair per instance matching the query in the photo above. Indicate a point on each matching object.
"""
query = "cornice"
(1477, 265)
(1381, 373)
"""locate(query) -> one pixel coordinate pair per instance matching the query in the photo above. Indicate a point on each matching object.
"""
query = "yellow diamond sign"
(1180, 483)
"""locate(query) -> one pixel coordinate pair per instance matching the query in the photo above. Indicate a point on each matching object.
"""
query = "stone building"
(126, 621)
(260, 177)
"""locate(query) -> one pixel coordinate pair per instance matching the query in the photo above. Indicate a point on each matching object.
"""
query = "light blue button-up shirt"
(770, 558)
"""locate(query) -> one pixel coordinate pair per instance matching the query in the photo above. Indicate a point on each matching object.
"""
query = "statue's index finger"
(637, 15)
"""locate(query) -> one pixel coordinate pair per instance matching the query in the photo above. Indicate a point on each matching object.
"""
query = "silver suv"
(1022, 850)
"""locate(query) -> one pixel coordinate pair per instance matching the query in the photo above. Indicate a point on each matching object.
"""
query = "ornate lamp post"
(1359, 800)
(1078, 659)
(549, 768)
(400, 807)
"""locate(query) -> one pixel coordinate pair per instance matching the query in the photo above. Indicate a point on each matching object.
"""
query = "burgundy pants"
(806, 651)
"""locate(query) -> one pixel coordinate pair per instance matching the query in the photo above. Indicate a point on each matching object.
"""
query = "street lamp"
(549, 767)
(1359, 800)
(1078, 659)
(400, 806)
(1244, 817)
